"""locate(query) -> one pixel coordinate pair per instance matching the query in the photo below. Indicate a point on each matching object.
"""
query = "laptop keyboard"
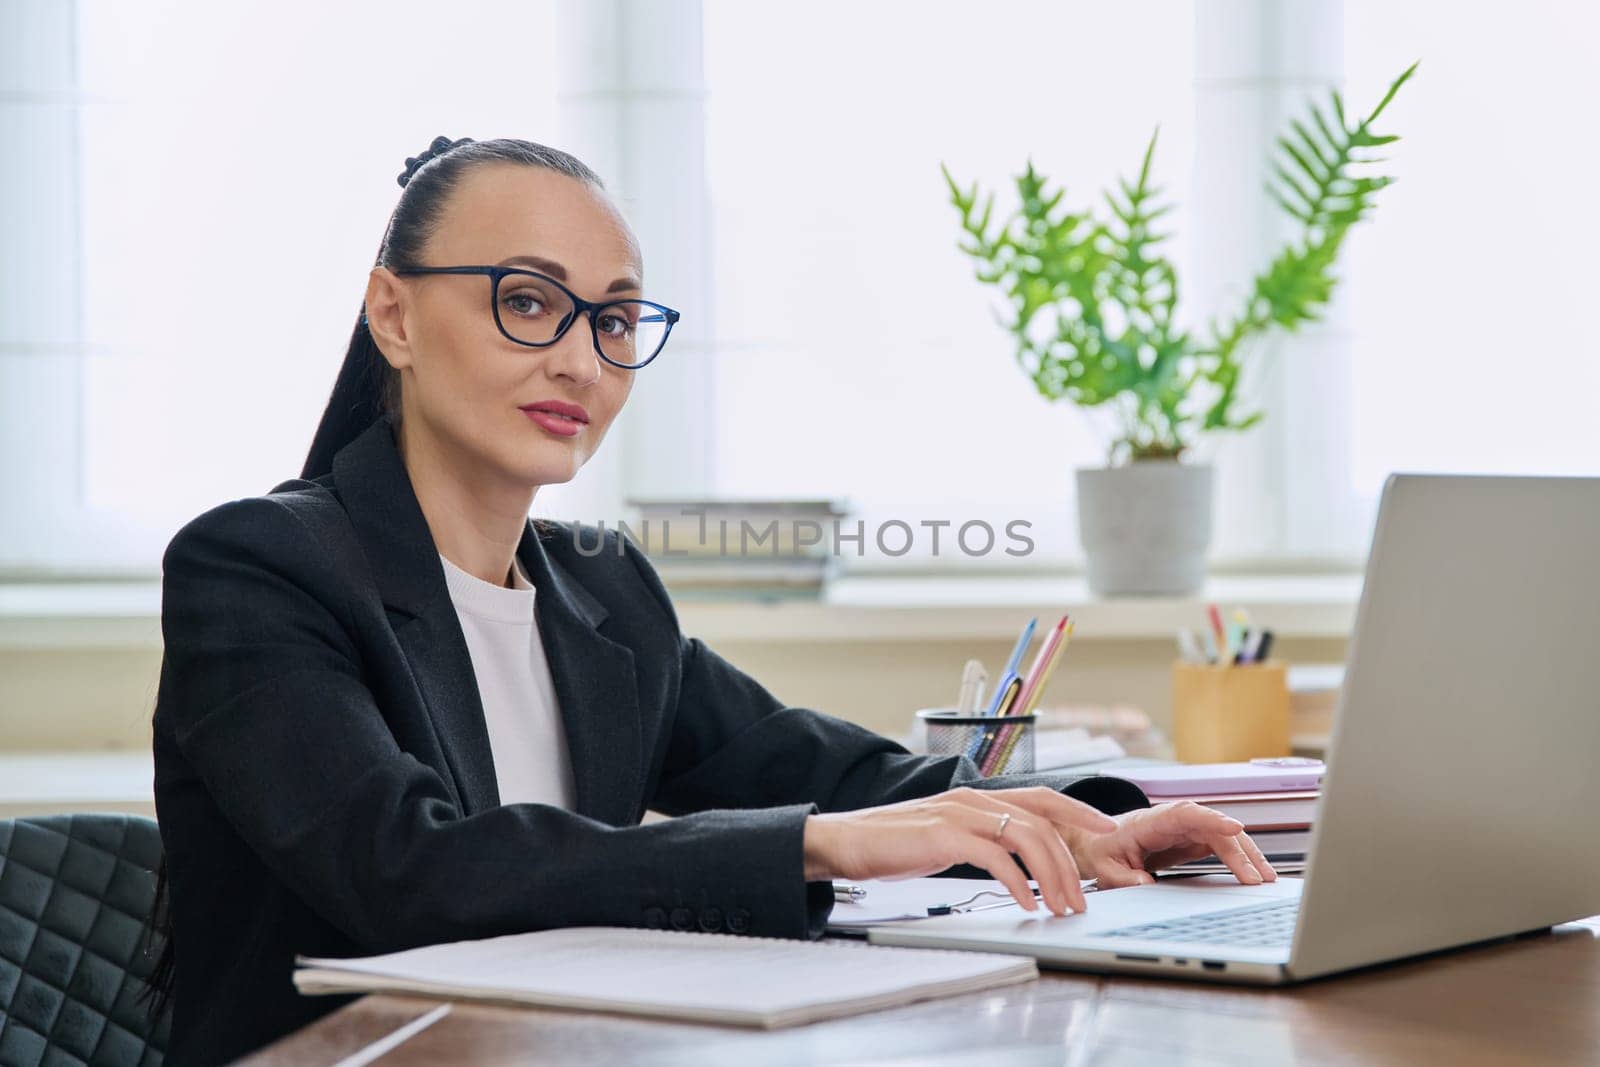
(1253, 926)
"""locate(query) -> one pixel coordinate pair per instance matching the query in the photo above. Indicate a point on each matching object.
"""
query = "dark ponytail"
(367, 387)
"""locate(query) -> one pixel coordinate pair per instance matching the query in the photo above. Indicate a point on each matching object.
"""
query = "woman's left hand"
(1148, 839)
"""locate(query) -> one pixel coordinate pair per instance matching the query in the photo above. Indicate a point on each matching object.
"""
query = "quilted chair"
(75, 894)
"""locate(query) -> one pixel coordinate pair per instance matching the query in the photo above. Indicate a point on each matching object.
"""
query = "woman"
(393, 710)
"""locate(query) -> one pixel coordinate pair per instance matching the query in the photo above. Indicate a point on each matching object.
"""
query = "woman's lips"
(556, 424)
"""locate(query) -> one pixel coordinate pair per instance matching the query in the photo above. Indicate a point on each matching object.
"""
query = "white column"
(46, 526)
(1257, 63)
(632, 102)
(41, 351)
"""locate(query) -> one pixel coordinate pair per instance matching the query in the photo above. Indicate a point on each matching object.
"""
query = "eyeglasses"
(534, 309)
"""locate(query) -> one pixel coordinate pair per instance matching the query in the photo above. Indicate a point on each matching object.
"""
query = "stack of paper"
(1054, 749)
(724, 978)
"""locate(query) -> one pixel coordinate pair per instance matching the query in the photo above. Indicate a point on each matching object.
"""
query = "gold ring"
(1005, 818)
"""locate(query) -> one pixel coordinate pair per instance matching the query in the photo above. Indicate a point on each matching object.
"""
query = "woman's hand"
(928, 834)
(1147, 839)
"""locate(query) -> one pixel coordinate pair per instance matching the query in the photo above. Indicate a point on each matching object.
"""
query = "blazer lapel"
(595, 685)
(383, 508)
(593, 675)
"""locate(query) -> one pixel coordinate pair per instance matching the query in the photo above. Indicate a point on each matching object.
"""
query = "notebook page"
(768, 981)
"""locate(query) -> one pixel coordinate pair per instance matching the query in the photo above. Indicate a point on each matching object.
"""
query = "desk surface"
(1531, 1000)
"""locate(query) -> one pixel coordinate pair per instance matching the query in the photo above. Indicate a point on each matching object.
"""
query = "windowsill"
(990, 607)
(93, 614)
(59, 615)
(43, 783)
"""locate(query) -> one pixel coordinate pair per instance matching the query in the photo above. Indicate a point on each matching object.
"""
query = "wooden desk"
(1534, 1000)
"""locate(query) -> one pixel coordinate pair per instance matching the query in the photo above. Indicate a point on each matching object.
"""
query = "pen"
(972, 678)
(1013, 733)
(1002, 689)
(845, 893)
(1188, 647)
(1210, 640)
(1030, 684)
(1022, 646)
(1264, 646)
(984, 741)
(1218, 632)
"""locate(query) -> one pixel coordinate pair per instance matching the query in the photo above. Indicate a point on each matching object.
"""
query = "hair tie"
(437, 147)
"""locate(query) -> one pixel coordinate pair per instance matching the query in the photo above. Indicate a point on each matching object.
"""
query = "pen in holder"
(1222, 713)
(1004, 742)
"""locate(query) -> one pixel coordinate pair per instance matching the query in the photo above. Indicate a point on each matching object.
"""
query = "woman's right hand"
(927, 834)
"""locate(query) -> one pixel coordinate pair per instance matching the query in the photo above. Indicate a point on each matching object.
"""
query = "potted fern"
(1093, 310)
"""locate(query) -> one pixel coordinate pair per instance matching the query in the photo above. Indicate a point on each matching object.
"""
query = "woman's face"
(465, 381)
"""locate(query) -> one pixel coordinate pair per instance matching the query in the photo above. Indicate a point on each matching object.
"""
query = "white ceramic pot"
(1145, 527)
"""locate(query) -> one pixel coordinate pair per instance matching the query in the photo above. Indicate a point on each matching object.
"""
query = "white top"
(526, 734)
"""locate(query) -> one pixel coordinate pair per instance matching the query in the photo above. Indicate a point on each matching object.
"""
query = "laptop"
(1459, 800)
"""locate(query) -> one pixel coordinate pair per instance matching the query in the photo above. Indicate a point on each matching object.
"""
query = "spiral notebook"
(720, 978)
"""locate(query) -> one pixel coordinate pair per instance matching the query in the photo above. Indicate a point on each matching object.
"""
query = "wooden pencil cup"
(1223, 714)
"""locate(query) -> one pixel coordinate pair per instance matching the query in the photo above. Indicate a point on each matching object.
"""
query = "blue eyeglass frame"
(579, 306)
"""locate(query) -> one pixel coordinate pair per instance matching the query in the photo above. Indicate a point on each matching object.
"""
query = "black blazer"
(324, 781)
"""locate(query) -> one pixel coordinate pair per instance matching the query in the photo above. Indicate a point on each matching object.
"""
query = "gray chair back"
(75, 896)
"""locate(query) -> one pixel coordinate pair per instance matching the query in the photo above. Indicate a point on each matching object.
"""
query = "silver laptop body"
(1462, 784)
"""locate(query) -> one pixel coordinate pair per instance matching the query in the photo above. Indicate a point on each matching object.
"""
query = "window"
(229, 169)
(237, 167)
(857, 354)
(1473, 287)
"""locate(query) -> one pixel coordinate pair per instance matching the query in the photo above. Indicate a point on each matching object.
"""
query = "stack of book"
(1277, 805)
(1279, 823)
(742, 549)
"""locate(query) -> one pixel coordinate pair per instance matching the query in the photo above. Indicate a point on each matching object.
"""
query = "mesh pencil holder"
(998, 745)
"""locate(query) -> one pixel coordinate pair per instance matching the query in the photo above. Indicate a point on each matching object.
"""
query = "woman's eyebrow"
(559, 273)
